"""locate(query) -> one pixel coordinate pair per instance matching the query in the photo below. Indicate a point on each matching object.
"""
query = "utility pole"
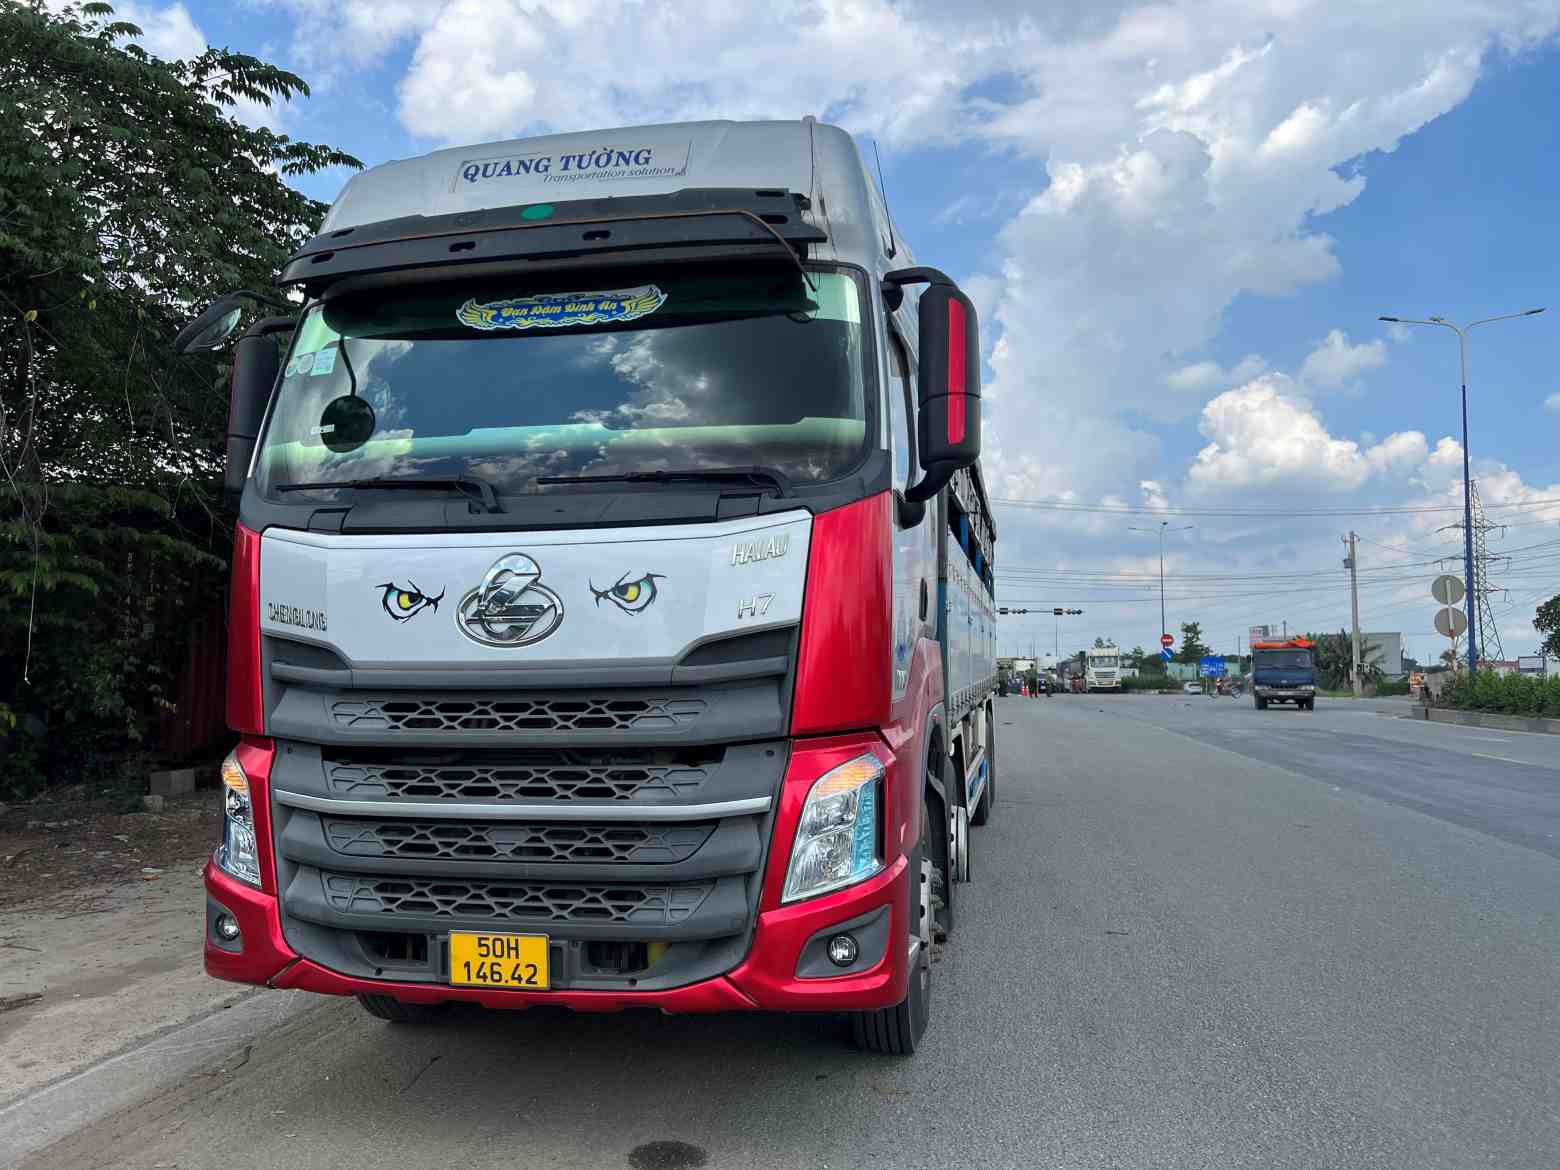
(1164, 526)
(1462, 357)
(1353, 565)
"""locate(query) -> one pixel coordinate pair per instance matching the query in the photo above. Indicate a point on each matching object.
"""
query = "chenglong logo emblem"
(511, 607)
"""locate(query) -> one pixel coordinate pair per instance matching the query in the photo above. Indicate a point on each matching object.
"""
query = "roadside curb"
(45, 1115)
(1480, 719)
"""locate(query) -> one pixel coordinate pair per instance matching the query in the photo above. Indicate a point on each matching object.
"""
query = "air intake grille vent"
(536, 776)
(463, 841)
(511, 714)
(426, 897)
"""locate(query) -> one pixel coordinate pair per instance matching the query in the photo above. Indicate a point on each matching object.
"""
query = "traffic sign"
(1166, 655)
(1212, 666)
(1447, 589)
(1451, 623)
(1166, 641)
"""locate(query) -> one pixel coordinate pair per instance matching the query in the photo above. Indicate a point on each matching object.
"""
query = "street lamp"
(1462, 350)
(1164, 527)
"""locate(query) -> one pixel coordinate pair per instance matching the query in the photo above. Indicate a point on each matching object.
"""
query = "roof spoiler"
(695, 223)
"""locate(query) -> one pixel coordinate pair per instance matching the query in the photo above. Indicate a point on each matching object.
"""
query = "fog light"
(843, 950)
(227, 927)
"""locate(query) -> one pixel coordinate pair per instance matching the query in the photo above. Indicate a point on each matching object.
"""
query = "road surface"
(1199, 936)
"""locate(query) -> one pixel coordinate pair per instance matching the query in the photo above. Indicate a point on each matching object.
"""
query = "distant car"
(1191, 688)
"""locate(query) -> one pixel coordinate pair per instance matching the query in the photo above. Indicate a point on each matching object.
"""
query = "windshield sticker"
(300, 363)
(631, 596)
(324, 362)
(562, 310)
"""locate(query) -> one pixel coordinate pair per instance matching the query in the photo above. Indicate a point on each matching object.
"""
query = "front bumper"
(765, 980)
(1285, 692)
(769, 976)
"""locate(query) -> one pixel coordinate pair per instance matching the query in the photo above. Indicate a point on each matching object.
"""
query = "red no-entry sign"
(1166, 641)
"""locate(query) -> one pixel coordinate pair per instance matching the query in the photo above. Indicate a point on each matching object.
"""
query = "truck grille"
(395, 714)
(512, 902)
(532, 775)
(502, 841)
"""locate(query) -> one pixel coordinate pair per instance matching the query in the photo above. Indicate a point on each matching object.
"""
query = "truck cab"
(611, 617)
(1102, 669)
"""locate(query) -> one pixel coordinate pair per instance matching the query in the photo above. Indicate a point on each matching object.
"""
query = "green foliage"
(1547, 621)
(1508, 694)
(1390, 687)
(1150, 682)
(1334, 655)
(130, 196)
(1192, 649)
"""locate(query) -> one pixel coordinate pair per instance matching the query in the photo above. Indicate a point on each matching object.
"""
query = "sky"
(1179, 223)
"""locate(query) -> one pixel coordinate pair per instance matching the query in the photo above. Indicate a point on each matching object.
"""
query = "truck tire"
(898, 1030)
(1260, 704)
(988, 793)
(387, 1007)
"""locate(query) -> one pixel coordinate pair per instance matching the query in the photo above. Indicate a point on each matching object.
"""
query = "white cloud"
(170, 33)
(1336, 363)
(1264, 434)
(1552, 403)
(1200, 377)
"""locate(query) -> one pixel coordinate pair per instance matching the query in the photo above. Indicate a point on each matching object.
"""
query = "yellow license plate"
(499, 960)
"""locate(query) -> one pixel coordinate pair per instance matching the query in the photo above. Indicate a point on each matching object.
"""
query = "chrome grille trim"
(450, 810)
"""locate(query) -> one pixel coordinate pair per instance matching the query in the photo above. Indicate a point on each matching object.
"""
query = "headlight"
(238, 854)
(837, 836)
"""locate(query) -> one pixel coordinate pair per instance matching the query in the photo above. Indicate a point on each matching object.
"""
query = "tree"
(1192, 649)
(1547, 621)
(130, 195)
(1099, 643)
(1334, 655)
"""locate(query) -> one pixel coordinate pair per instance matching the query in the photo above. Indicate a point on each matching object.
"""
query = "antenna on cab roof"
(893, 248)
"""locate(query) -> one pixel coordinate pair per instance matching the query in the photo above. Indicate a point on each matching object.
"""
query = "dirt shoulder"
(62, 849)
(101, 924)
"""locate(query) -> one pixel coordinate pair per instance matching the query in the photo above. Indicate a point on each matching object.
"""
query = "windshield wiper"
(478, 491)
(749, 475)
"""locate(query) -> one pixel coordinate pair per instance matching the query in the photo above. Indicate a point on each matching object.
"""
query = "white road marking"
(1509, 760)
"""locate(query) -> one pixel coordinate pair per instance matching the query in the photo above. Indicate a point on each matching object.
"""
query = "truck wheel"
(1261, 704)
(988, 793)
(898, 1030)
(386, 1007)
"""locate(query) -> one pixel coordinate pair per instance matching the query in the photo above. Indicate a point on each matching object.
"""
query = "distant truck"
(1284, 672)
(612, 611)
(1102, 669)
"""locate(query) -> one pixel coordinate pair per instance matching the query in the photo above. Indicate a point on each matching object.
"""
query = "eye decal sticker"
(633, 596)
(404, 602)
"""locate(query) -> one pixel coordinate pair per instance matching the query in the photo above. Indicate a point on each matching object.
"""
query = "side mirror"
(216, 323)
(948, 416)
(257, 360)
(214, 326)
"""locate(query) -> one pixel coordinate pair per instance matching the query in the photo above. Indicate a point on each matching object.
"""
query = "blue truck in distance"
(1284, 672)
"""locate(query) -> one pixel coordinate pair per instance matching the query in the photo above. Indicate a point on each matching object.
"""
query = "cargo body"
(612, 614)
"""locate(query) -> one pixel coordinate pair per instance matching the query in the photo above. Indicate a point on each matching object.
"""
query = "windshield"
(1286, 659)
(512, 381)
(1102, 660)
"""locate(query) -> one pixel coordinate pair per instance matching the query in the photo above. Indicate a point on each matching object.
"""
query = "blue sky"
(1180, 224)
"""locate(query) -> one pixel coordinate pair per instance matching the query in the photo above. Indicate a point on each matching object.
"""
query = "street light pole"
(1462, 357)
(1164, 526)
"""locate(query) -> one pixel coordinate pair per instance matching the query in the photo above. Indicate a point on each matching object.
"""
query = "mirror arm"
(268, 325)
(935, 479)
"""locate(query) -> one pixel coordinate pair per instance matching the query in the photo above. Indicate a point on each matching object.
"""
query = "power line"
(1059, 505)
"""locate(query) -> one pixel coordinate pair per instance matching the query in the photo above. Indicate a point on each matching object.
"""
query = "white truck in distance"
(1102, 669)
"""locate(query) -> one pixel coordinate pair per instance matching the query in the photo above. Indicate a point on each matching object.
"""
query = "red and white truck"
(611, 618)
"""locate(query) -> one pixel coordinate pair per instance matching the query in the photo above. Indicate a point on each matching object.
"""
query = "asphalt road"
(1199, 936)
